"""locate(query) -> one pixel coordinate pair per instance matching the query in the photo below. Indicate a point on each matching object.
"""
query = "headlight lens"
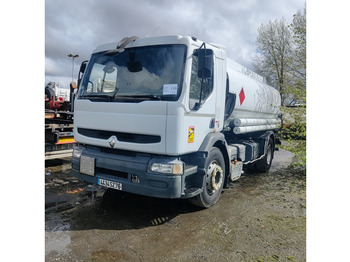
(161, 168)
(175, 169)
(77, 151)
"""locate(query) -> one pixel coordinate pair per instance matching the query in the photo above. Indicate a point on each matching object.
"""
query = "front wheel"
(213, 180)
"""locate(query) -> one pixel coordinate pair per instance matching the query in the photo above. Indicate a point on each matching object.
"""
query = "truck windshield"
(136, 74)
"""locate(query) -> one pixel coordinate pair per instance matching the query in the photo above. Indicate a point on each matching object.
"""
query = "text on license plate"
(110, 184)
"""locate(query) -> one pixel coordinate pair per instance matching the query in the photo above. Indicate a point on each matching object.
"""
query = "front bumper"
(132, 171)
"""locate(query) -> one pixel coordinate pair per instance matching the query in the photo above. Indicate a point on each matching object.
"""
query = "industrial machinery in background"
(59, 138)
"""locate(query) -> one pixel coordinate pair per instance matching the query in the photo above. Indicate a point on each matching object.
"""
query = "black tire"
(213, 180)
(263, 165)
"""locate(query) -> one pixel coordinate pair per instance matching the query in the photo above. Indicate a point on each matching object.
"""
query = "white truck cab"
(171, 117)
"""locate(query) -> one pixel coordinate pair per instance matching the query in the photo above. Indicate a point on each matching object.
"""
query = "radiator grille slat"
(121, 136)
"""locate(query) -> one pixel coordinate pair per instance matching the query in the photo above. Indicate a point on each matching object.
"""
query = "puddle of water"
(282, 159)
(57, 235)
(58, 242)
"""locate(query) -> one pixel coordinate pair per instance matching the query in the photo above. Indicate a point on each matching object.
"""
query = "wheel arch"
(218, 140)
(264, 164)
(273, 137)
(265, 139)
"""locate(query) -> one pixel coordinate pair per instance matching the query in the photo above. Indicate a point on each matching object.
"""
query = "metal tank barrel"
(257, 104)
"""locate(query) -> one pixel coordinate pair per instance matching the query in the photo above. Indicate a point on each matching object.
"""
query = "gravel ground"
(261, 217)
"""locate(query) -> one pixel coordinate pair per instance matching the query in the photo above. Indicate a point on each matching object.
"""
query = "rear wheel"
(213, 180)
(263, 165)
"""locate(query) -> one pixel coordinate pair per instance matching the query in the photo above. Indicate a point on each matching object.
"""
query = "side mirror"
(73, 85)
(205, 63)
(81, 71)
(83, 67)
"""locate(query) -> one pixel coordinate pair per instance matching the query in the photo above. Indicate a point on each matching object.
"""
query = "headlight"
(161, 168)
(77, 151)
(175, 169)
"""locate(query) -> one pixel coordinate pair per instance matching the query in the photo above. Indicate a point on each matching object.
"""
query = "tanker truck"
(171, 117)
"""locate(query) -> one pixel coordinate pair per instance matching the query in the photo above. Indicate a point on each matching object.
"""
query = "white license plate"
(110, 184)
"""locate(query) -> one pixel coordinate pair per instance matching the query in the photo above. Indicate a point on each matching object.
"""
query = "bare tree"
(299, 35)
(297, 66)
(274, 44)
(282, 60)
(298, 28)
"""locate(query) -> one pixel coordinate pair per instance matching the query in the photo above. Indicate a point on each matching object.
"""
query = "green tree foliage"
(282, 60)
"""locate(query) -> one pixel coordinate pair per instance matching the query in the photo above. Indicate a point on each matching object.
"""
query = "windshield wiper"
(113, 97)
(108, 97)
(141, 97)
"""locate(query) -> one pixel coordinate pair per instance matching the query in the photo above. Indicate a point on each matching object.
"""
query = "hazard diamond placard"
(241, 96)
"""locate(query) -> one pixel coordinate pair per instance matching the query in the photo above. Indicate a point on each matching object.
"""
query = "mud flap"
(236, 170)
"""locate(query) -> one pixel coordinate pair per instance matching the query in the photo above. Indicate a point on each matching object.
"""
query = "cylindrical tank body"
(256, 102)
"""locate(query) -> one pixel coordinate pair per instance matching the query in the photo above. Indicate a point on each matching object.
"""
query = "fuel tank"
(257, 104)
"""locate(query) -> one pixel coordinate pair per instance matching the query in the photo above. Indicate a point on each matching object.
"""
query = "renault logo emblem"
(112, 141)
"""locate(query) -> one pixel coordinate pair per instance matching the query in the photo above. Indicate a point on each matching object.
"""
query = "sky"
(78, 26)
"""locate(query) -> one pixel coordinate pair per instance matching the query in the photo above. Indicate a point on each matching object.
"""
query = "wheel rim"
(214, 178)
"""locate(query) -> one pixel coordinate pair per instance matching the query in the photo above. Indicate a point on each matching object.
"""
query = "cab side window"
(200, 88)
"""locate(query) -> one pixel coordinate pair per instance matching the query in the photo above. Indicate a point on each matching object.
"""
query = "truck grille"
(118, 152)
(122, 137)
(112, 172)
